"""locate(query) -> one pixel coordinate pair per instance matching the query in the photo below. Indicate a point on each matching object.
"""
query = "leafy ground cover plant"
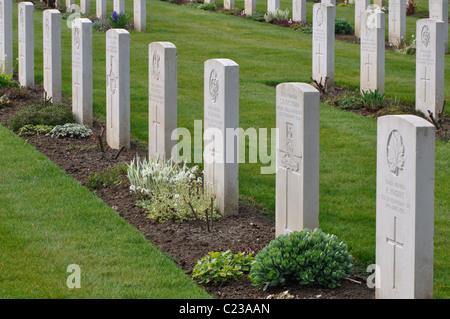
(218, 267)
(114, 175)
(207, 6)
(30, 130)
(73, 130)
(280, 15)
(42, 114)
(171, 191)
(101, 24)
(4, 101)
(307, 257)
(7, 81)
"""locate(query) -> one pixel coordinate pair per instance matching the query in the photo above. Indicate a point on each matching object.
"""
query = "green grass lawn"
(271, 54)
(48, 221)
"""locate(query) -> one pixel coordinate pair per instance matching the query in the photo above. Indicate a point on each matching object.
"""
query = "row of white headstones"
(431, 45)
(405, 144)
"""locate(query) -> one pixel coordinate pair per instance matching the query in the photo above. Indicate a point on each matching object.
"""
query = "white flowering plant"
(170, 191)
(72, 130)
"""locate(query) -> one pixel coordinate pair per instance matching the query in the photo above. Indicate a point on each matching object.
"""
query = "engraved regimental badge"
(395, 152)
(213, 85)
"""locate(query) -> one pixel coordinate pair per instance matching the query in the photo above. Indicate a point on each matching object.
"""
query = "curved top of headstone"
(413, 120)
(119, 31)
(305, 87)
(164, 44)
(224, 62)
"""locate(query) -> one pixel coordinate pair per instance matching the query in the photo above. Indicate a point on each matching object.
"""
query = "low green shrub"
(280, 15)
(218, 267)
(101, 24)
(41, 114)
(73, 130)
(114, 175)
(170, 191)
(373, 100)
(30, 130)
(342, 26)
(207, 6)
(307, 257)
(7, 81)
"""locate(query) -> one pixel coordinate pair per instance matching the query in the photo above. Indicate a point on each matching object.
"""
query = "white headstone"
(297, 175)
(333, 2)
(379, 3)
(119, 6)
(85, 6)
(140, 15)
(323, 44)
(404, 207)
(118, 88)
(52, 54)
(69, 3)
(430, 66)
(372, 51)
(397, 22)
(360, 7)
(162, 99)
(439, 11)
(250, 7)
(6, 37)
(26, 44)
(299, 11)
(273, 5)
(82, 71)
(221, 117)
(100, 9)
(228, 4)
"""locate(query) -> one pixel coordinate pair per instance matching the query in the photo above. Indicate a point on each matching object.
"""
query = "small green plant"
(207, 6)
(73, 130)
(407, 48)
(7, 81)
(30, 130)
(118, 20)
(373, 100)
(307, 257)
(350, 102)
(280, 15)
(302, 27)
(42, 114)
(4, 101)
(114, 175)
(170, 191)
(102, 25)
(218, 267)
(342, 26)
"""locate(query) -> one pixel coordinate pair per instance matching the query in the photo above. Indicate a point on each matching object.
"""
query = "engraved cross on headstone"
(156, 125)
(425, 80)
(319, 55)
(214, 151)
(369, 65)
(291, 163)
(111, 83)
(76, 82)
(396, 244)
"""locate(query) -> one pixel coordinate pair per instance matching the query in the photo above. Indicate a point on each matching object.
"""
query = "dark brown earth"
(186, 243)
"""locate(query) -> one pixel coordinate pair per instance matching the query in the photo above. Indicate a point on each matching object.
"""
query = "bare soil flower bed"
(185, 243)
